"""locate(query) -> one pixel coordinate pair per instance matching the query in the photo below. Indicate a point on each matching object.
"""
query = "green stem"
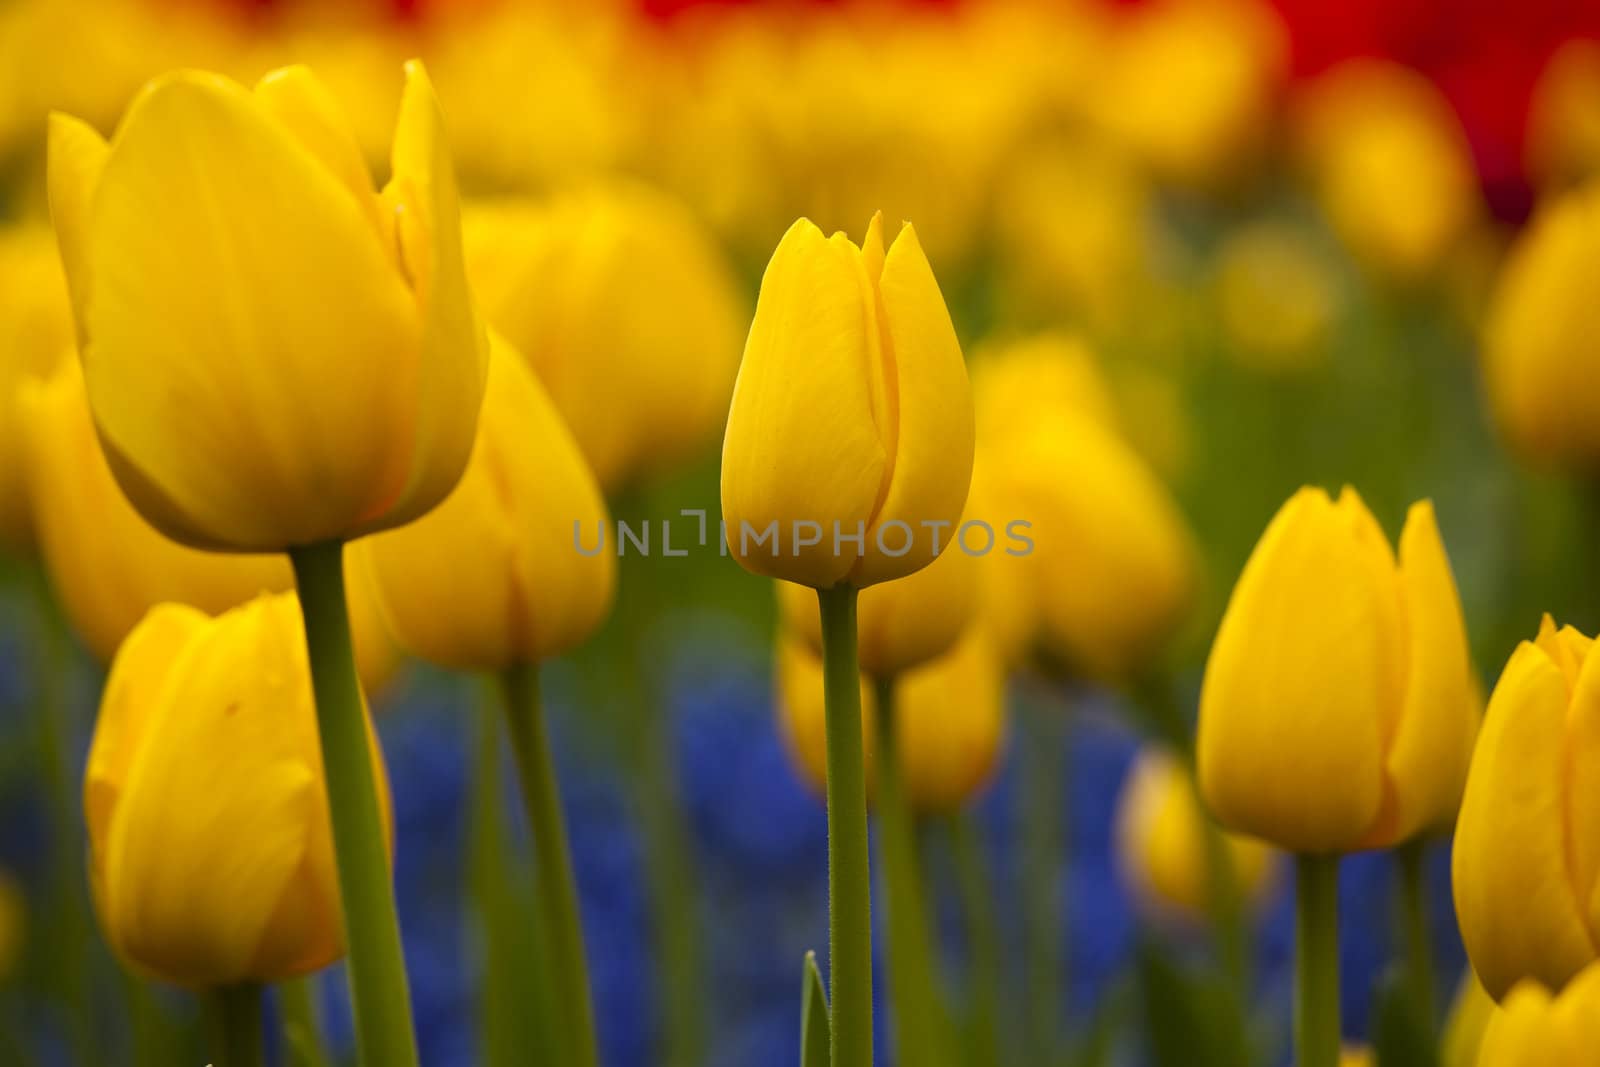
(1316, 1018)
(380, 999)
(983, 939)
(1419, 947)
(849, 873)
(555, 890)
(301, 1023)
(151, 1030)
(1041, 769)
(235, 1015)
(918, 1023)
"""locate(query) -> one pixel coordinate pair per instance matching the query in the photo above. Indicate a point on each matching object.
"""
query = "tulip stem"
(849, 872)
(300, 1022)
(918, 1018)
(555, 889)
(1419, 947)
(380, 998)
(983, 940)
(236, 1030)
(1316, 1019)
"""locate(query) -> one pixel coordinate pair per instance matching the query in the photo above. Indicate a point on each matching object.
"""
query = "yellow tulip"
(627, 312)
(493, 577)
(949, 714)
(1563, 138)
(900, 624)
(276, 355)
(851, 412)
(1469, 1017)
(1276, 296)
(35, 335)
(1527, 850)
(1357, 1056)
(1043, 376)
(1539, 365)
(1391, 166)
(13, 926)
(1161, 845)
(1534, 1029)
(1338, 710)
(211, 854)
(109, 566)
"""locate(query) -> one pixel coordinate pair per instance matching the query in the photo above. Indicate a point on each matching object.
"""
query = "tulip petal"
(1583, 789)
(77, 159)
(1514, 895)
(294, 97)
(1519, 1034)
(801, 443)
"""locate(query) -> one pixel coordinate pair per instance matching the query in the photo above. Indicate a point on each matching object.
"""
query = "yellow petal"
(1432, 746)
(801, 443)
(1582, 746)
(1575, 1018)
(930, 467)
(950, 724)
(1514, 895)
(77, 159)
(294, 97)
(1519, 1033)
(234, 408)
(1296, 687)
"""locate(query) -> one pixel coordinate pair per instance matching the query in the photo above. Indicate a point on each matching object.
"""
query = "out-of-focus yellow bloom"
(625, 309)
(1162, 847)
(949, 716)
(1357, 1056)
(275, 354)
(1469, 1016)
(211, 853)
(1276, 297)
(35, 335)
(1563, 138)
(1527, 847)
(1044, 376)
(494, 576)
(851, 412)
(1534, 1029)
(1539, 362)
(1391, 166)
(109, 566)
(1338, 710)
(1190, 85)
(13, 926)
(900, 624)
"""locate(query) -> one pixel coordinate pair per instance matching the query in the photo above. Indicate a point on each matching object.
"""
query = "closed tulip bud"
(493, 577)
(276, 355)
(949, 714)
(1161, 843)
(211, 855)
(109, 567)
(13, 926)
(899, 624)
(627, 312)
(35, 335)
(1538, 360)
(1563, 133)
(1338, 710)
(1527, 848)
(851, 412)
(1277, 297)
(1534, 1029)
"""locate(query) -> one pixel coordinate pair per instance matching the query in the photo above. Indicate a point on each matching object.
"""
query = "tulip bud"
(1338, 710)
(949, 714)
(1162, 847)
(275, 354)
(494, 576)
(1527, 848)
(1538, 360)
(211, 853)
(1563, 132)
(627, 312)
(851, 411)
(1531, 1028)
(35, 336)
(1276, 297)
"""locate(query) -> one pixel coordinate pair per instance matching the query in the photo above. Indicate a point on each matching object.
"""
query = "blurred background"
(1272, 230)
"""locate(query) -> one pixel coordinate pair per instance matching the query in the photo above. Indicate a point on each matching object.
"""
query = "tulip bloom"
(211, 855)
(851, 412)
(1338, 710)
(276, 355)
(1532, 1028)
(493, 577)
(1527, 848)
(1160, 838)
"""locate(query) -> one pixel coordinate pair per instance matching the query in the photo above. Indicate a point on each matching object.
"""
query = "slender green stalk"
(301, 1023)
(151, 1029)
(1317, 1030)
(1419, 947)
(983, 939)
(849, 871)
(1041, 769)
(380, 998)
(556, 891)
(918, 1014)
(235, 1016)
